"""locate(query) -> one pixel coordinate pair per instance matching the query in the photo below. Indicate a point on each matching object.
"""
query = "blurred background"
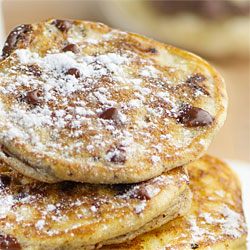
(218, 31)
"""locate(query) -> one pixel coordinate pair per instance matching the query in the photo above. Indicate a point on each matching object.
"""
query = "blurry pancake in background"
(211, 28)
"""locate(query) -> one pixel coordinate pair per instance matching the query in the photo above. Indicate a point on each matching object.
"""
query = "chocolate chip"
(21, 195)
(15, 35)
(34, 70)
(141, 193)
(191, 116)
(74, 72)
(32, 97)
(194, 246)
(193, 83)
(117, 155)
(63, 25)
(196, 78)
(8, 242)
(71, 47)
(5, 180)
(110, 114)
(118, 158)
(4, 151)
(152, 50)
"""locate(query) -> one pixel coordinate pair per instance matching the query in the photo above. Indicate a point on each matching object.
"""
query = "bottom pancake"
(69, 215)
(215, 221)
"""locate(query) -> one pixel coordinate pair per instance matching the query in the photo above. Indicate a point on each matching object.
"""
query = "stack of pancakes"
(102, 134)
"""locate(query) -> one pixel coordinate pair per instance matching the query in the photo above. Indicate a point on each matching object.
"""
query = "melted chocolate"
(196, 78)
(119, 155)
(194, 117)
(32, 97)
(118, 158)
(141, 193)
(74, 72)
(194, 246)
(110, 114)
(21, 195)
(8, 242)
(5, 180)
(193, 83)
(34, 70)
(71, 47)
(63, 25)
(151, 50)
(15, 35)
(3, 150)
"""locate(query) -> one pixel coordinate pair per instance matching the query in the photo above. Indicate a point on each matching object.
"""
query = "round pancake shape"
(80, 101)
(216, 218)
(70, 215)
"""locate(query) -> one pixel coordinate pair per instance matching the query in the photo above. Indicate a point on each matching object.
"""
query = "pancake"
(213, 29)
(215, 221)
(70, 215)
(80, 101)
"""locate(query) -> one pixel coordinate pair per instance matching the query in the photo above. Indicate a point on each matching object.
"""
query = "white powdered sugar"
(58, 99)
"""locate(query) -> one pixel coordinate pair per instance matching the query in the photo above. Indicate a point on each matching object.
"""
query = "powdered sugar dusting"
(55, 209)
(57, 99)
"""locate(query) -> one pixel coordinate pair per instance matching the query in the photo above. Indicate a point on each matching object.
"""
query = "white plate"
(243, 170)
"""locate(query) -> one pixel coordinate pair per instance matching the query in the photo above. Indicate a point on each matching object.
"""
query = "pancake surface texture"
(215, 221)
(83, 102)
(70, 215)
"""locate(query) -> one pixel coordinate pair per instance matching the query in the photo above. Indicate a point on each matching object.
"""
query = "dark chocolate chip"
(118, 158)
(118, 155)
(193, 83)
(4, 151)
(32, 97)
(152, 50)
(191, 116)
(141, 193)
(15, 35)
(71, 47)
(21, 195)
(110, 114)
(34, 70)
(74, 72)
(5, 180)
(196, 78)
(194, 246)
(8, 242)
(63, 25)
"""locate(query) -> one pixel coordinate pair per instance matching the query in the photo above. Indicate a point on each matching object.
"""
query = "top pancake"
(83, 102)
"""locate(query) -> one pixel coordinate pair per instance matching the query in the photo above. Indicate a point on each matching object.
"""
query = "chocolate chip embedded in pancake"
(15, 36)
